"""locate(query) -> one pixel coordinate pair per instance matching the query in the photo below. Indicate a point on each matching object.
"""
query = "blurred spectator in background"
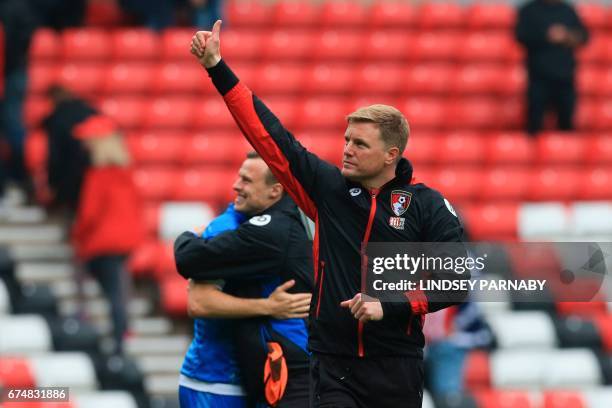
(68, 159)
(450, 334)
(206, 12)
(19, 20)
(108, 225)
(60, 14)
(155, 14)
(550, 31)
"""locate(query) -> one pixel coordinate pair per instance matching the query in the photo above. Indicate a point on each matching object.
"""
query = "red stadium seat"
(499, 398)
(344, 13)
(476, 79)
(603, 322)
(473, 113)
(504, 184)
(597, 50)
(332, 44)
(422, 147)
(212, 113)
(477, 374)
(166, 266)
(228, 148)
(511, 113)
(327, 145)
(35, 109)
(289, 45)
(553, 184)
(241, 13)
(458, 184)
(482, 15)
(185, 77)
(127, 111)
(330, 78)
(432, 78)
(175, 44)
(359, 101)
(435, 45)
(144, 259)
(286, 78)
(317, 113)
(440, 15)
(156, 147)
(563, 399)
(515, 148)
(603, 115)
(46, 45)
(151, 216)
(36, 152)
(492, 221)
(243, 45)
(285, 108)
(595, 184)
(292, 13)
(586, 115)
(485, 46)
(512, 83)
(562, 148)
(460, 148)
(589, 80)
(41, 76)
(605, 83)
(155, 183)
(205, 184)
(173, 299)
(103, 13)
(594, 15)
(85, 44)
(82, 79)
(171, 112)
(599, 149)
(424, 113)
(384, 14)
(135, 43)
(372, 78)
(386, 45)
(128, 78)
(16, 372)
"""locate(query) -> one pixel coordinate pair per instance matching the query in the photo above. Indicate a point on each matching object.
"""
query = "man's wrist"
(261, 307)
(211, 62)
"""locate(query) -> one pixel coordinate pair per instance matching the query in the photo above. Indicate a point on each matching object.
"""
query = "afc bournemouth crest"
(400, 201)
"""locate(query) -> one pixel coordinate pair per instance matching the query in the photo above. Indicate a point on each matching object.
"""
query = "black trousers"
(543, 93)
(381, 382)
(113, 278)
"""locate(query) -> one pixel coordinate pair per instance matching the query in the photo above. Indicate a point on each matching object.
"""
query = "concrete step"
(22, 215)
(50, 234)
(152, 365)
(162, 383)
(41, 252)
(45, 272)
(158, 345)
(68, 289)
(99, 307)
(151, 326)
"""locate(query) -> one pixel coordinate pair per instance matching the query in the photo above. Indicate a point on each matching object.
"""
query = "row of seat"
(317, 113)
(295, 44)
(442, 79)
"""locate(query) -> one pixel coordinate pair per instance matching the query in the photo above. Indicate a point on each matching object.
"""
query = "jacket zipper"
(320, 288)
(364, 265)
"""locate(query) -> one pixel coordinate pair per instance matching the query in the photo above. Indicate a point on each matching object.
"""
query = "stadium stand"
(453, 69)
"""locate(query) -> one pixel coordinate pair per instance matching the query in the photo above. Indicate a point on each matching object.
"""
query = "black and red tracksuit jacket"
(346, 217)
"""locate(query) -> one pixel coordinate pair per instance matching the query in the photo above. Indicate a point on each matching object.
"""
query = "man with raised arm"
(364, 353)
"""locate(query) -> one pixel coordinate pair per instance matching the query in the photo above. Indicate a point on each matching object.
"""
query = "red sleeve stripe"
(240, 103)
(418, 302)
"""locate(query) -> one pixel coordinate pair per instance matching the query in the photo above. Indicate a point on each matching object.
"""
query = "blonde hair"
(108, 150)
(393, 126)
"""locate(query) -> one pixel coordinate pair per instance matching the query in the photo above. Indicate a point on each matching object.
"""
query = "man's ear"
(392, 155)
(276, 191)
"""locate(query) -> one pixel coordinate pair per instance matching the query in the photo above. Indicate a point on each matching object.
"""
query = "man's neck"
(380, 180)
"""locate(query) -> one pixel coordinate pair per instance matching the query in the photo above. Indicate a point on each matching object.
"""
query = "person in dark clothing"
(365, 353)
(68, 159)
(18, 19)
(259, 243)
(550, 31)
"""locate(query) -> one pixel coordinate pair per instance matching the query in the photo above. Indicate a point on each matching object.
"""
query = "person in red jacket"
(108, 224)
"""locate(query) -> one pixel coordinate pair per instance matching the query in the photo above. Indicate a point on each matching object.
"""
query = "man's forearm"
(206, 300)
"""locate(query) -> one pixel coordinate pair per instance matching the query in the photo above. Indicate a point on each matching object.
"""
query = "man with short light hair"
(365, 353)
